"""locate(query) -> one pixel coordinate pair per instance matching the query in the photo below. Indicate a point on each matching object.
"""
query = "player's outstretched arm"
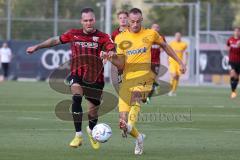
(116, 60)
(172, 54)
(45, 44)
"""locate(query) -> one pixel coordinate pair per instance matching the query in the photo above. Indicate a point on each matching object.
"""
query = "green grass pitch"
(200, 123)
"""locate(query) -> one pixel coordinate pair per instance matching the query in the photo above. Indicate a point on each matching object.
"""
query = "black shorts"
(91, 91)
(235, 67)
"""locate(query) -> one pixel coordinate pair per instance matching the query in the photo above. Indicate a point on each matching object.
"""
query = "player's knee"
(233, 73)
(176, 76)
(92, 115)
(136, 97)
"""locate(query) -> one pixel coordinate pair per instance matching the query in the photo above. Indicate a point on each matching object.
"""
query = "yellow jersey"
(179, 48)
(136, 49)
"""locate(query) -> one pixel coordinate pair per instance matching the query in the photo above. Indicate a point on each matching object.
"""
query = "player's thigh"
(139, 92)
(75, 85)
(233, 73)
(123, 116)
(172, 68)
(175, 70)
(124, 98)
(235, 70)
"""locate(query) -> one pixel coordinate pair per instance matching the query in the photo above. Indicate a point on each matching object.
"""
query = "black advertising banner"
(213, 62)
(38, 65)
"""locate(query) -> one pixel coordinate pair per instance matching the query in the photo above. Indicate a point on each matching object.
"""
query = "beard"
(89, 30)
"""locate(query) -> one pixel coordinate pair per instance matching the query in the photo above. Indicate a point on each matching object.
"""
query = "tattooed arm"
(46, 44)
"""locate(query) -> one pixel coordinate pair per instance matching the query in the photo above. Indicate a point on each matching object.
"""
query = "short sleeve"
(108, 44)
(157, 38)
(66, 37)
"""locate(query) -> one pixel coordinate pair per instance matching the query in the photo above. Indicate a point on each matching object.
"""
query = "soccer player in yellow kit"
(134, 57)
(179, 47)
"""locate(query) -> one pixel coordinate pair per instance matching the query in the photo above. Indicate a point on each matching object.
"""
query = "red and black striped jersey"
(86, 49)
(115, 33)
(234, 51)
(155, 52)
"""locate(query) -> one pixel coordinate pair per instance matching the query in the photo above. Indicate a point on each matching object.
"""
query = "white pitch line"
(169, 129)
(218, 106)
(70, 129)
(26, 111)
(215, 115)
(19, 104)
(229, 131)
(48, 129)
(29, 118)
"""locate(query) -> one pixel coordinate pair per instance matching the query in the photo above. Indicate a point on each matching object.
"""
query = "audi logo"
(52, 59)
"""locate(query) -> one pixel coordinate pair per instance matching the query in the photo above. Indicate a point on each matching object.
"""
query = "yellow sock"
(132, 119)
(175, 85)
(134, 132)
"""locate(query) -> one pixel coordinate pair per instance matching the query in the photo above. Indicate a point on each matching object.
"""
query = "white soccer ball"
(102, 132)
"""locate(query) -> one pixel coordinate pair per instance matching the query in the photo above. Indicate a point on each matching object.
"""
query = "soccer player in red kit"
(87, 77)
(233, 45)
(155, 60)
(122, 17)
(123, 23)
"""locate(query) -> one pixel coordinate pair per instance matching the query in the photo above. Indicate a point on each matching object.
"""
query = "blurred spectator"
(5, 59)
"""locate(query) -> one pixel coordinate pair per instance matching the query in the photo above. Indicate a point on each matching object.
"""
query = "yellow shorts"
(174, 68)
(143, 86)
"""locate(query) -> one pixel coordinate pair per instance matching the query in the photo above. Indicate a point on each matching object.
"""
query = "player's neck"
(122, 28)
(85, 32)
(131, 31)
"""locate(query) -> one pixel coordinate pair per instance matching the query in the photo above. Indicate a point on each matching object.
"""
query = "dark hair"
(87, 10)
(122, 12)
(135, 11)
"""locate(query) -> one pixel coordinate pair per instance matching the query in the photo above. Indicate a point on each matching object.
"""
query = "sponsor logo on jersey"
(95, 39)
(137, 51)
(87, 44)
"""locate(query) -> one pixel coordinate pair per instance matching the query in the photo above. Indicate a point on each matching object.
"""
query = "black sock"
(234, 83)
(92, 121)
(77, 111)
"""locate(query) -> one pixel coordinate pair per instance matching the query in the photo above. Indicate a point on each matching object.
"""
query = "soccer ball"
(102, 132)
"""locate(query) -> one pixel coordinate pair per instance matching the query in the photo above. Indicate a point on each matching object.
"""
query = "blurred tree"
(43, 12)
(222, 14)
(235, 5)
(172, 19)
(2, 8)
(3, 22)
(123, 7)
